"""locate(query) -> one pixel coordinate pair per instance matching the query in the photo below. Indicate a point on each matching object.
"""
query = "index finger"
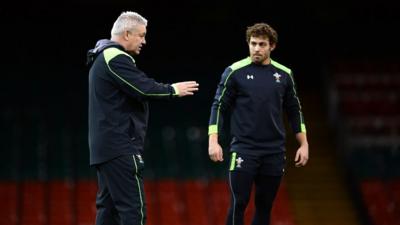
(191, 83)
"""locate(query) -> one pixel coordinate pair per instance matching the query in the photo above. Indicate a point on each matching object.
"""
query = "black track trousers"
(266, 188)
(120, 198)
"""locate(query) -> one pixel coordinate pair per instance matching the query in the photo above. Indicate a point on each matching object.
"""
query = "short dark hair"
(262, 30)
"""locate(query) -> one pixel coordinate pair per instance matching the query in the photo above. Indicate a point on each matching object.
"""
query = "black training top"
(256, 95)
(118, 107)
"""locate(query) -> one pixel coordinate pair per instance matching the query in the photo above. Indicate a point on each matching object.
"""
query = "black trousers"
(120, 198)
(265, 174)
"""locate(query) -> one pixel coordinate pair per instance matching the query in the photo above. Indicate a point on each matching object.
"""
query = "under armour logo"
(250, 77)
(277, 77)
(239, 162)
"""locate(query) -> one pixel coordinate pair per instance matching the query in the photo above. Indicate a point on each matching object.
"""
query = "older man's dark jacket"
(118, 102)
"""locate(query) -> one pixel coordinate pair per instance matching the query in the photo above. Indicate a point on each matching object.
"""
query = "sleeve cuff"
(176, 90)
(212, 129)
(303, 128)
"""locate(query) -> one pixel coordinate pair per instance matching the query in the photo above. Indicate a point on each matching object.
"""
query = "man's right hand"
(214, 149)
(185, 88)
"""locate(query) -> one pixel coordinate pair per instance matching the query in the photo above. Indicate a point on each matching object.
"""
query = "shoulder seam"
(282, 67)
(112, 52)
(240, 64)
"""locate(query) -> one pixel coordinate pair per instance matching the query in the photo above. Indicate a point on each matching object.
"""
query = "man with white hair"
(118, 117)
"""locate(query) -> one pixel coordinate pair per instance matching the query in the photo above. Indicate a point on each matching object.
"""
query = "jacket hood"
(100, 46)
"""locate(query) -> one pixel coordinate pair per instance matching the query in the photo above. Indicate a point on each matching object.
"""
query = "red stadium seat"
(33, 208)
(150, 188)
(219, 198)
(9, 200)
(61, 203)
(281, 213)
(85, 196)
(172, 208)
(395, 196)
(195, 192)
(376, 198)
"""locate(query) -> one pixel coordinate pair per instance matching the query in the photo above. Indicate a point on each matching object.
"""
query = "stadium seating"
(151, 195)
(9, 199)
(368, 102)
(381, 207)
(33, 208)
(218, 192)
(394, 187)
(60, 203)
(85, 195)
(172, 210)
(195, 195)
(169, 202)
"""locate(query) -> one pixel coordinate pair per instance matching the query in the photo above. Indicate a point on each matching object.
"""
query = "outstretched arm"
(136, 84)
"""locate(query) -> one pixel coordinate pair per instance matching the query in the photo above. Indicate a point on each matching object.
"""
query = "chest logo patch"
(140, 158)
(250, 77)
(239, 162)
(277, 77)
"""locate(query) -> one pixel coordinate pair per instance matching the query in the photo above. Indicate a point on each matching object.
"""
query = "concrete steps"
(318, 192)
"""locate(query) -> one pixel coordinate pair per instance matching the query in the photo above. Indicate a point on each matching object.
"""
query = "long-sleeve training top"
(118, 102)
(256, 97)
